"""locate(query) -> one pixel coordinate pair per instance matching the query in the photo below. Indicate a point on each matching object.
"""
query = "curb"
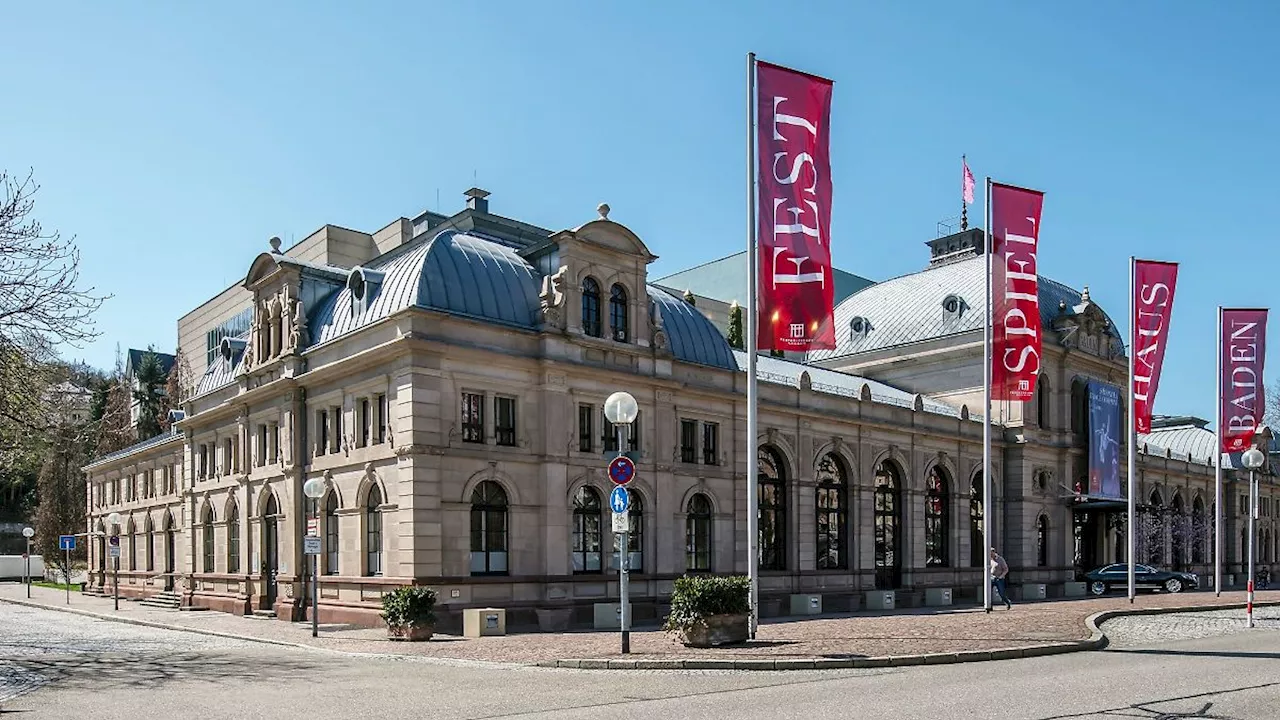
(1097, 641)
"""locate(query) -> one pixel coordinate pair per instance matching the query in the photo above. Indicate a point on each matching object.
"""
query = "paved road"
(60, 665)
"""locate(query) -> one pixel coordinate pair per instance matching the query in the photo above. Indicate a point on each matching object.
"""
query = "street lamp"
(28, 533)
(621, 410)
(315, 489)
(113, 523)
(1252, 459)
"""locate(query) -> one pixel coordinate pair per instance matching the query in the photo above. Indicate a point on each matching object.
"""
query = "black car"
(1145, 577)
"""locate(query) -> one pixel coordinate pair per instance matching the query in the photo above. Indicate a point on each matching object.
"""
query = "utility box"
(481, 622)
(1074, 589)
(806, 604)
(1032, 591)
(608, 616)
(937, 597)
(881, 599)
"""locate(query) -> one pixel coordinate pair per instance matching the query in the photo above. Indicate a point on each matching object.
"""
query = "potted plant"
(710, 611)
(410, 613)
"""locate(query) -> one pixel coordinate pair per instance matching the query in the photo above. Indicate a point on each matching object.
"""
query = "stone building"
(445, 375)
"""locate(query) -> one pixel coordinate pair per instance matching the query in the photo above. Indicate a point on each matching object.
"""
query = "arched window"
(618, 314)
(373, 532)
(1080, 408)
(331, 544)
(131, 531)
(1042, 541)
(1199, 529)
(1043, 403)
(697, 534)
(233, 539)
(635, 536)
(977, 544)
(591, 307)
(586, 530)
(151, 545)
(1155, 530)
(1178, 533)
(833, 513)
(936, 510)
(488, 529)
(772, 482)
(888, 527)
(207, 536)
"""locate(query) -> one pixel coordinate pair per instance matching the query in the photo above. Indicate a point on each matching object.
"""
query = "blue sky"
(173, 139)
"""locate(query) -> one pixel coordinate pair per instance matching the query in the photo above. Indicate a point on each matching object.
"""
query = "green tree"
(735, 326)
(148, 392)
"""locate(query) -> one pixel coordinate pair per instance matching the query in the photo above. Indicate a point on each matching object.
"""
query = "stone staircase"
(166, 600)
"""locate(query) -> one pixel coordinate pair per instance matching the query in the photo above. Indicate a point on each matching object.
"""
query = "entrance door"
(102, 560)
(1087, 529)
(170, 557)
(270, 551)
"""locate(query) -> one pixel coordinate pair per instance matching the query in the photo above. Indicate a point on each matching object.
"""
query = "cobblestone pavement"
(1148, 630)
(860, 635)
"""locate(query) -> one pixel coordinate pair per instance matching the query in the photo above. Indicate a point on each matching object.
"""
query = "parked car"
(1145, 577)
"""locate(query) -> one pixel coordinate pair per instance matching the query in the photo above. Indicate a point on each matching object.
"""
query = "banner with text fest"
(793, 133)
(1153, 286)
(1015, 291)
(1244, 352)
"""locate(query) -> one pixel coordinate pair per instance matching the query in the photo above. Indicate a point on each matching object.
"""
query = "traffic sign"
(114, 541)
(311, 545)
(313, 526)
(621, 523)
(619, 500)
(113, 551)
(66, 542)
(622, 470)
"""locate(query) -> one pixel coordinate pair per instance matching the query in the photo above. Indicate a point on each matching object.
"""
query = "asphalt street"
(58, 665)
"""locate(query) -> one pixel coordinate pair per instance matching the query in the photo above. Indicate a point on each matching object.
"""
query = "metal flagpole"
(1217, 454)
(1132, 430)
(986, 416)
(753, 519)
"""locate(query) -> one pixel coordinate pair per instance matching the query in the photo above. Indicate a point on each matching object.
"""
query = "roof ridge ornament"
(274, 242)
(603, 209)
(1084, 294)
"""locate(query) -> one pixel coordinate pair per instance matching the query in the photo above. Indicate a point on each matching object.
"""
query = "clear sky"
(172, 139)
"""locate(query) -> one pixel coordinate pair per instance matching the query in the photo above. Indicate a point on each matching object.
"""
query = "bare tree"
(177, 389)
(1272, 417)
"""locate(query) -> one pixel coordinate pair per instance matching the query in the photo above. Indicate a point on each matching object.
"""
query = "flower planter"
(717, 630)
(411, 633)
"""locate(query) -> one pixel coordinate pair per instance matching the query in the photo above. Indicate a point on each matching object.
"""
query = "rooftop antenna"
(437, 200)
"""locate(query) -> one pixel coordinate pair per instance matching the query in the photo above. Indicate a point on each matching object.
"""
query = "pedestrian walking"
(999, 577)
(1264, 577)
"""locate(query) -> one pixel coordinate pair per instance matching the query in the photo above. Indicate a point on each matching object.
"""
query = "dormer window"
(859, 328)
(618, 313)
(363, 284)
(953, 307)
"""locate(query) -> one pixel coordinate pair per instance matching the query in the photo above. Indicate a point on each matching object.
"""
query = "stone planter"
(717, 630)
(412, 633)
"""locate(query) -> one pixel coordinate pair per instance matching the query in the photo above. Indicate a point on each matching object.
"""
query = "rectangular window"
(504, 417)
(202, 465)
(322, 432)
(380, 420)
(335, 444)
(472, 417)
(610, 435)
(228, 456)
(710, 444)
(275, 443)
(634, 435)
(689, 441)
(262, 445)
(365, 419)
(586, 418)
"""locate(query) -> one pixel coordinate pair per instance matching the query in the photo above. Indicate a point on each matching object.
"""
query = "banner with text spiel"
(1104, 440)
(1244, 353)
(793, 133)
(1015, 288)
(1153, 287)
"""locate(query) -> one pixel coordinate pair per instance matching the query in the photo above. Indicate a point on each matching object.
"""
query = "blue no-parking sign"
(619, 500)
(622, 470)
(66, 542)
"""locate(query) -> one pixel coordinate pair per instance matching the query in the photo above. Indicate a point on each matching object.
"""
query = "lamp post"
(621, 410)
(315, 489)
(1252, 459)
(28, 533)
(113, 522)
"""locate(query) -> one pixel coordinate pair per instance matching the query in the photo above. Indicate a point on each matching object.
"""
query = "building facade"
(446, 375)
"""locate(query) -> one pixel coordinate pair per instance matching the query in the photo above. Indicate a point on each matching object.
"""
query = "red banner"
(1015, 292)
(1244, 352)
(1153, 286)
(793, 133)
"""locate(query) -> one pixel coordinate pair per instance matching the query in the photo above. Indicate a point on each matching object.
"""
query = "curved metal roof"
(693, 338)
(1183, 440)
(908, 309)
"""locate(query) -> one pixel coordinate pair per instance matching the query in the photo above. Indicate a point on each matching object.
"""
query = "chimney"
(477, 200)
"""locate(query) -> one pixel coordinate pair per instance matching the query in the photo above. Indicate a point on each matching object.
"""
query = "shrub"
(700, 596)
(411, 606)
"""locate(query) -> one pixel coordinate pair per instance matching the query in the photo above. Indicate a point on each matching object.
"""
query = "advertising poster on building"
(1104, 440)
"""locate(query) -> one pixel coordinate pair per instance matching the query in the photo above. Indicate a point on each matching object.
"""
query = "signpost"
(28, 533)
(621, 409)
(619, 500)
(311, 545)
(621, 469)
(67, 543)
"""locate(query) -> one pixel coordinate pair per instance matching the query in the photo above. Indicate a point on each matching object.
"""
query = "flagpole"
(1217, 465)
(964, 183)
(1133, 435)
(753, 517)
(986, 415)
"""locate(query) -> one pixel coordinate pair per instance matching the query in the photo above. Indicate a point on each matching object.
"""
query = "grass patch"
(55, 585)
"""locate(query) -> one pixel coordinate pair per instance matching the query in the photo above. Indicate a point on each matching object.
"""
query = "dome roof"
(937, 302)
(693, 338)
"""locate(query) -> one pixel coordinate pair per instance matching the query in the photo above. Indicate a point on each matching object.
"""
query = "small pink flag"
(967, 187)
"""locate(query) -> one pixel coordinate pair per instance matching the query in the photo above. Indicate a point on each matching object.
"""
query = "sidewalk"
(1055, 626)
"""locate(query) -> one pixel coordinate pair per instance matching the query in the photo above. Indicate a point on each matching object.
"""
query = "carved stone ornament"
(551, 299)
(298, 338)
